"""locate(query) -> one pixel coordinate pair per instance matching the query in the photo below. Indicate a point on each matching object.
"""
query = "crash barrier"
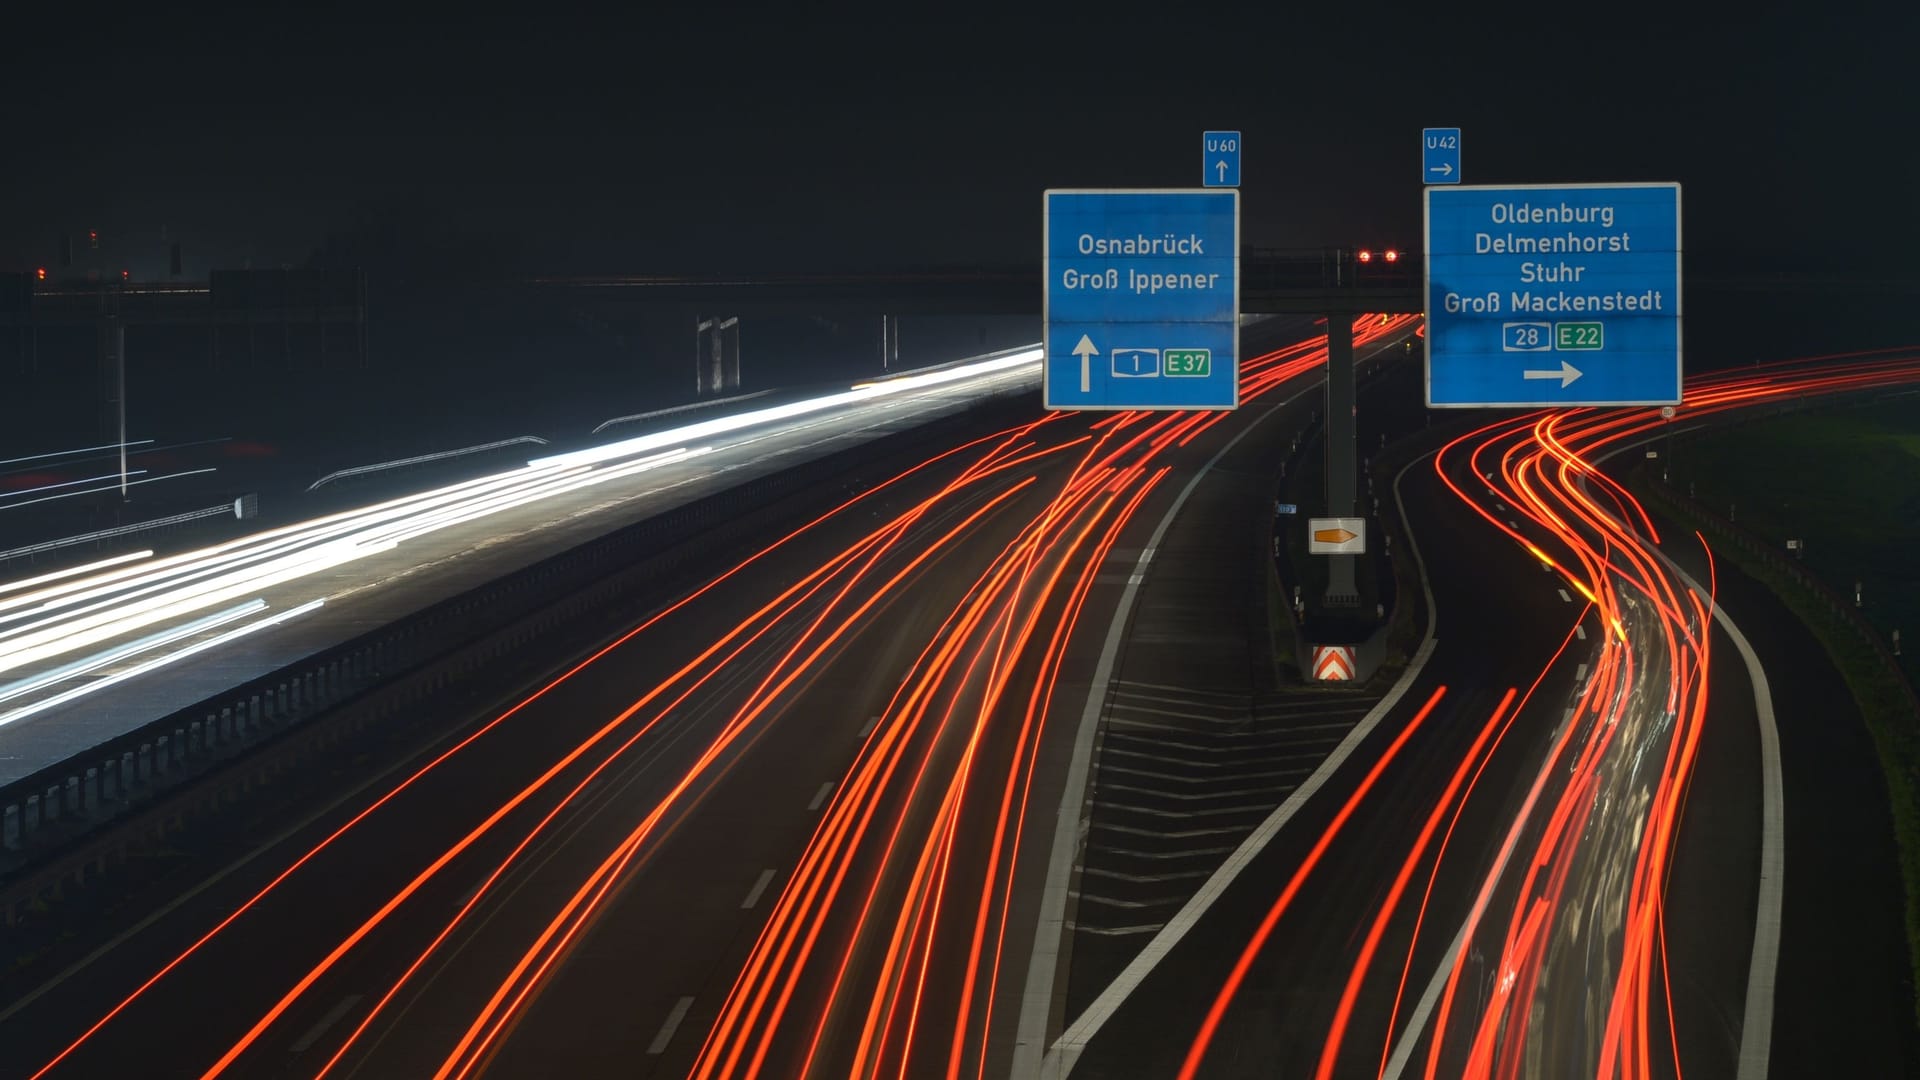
(69, 821)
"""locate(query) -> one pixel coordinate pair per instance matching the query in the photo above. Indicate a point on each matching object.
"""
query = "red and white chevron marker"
(1333, 663)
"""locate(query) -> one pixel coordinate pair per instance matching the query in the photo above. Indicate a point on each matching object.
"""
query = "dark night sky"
(738, 141)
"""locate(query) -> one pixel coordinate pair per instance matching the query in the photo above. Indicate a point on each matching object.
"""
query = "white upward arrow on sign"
(1566, 374)
(1222, 166)
(1084, 350)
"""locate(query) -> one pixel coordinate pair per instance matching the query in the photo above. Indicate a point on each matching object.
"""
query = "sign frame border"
(1046, 297)
(1679, 295)
(1238, 139)
(1459, 151)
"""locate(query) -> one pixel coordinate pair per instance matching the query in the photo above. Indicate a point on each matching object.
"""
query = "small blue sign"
(1440, 156)
(1220, 159)
(1142, 299)
(1544, 295)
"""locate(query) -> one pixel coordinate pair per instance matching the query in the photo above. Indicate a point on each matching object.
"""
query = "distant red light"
(1365, 255)
(124, 275)
(40, 274)
(1392, 255)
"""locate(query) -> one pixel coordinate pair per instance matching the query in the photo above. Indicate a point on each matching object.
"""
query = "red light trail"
(1574, 923)
(910, 869)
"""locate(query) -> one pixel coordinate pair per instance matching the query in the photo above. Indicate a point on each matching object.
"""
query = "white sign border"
(1046, 293)
(1679, 297)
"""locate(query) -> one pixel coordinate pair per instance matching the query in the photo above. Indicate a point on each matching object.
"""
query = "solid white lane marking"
(1119, 931)
(1176, 714)
(1184, 690)
(1142, 879)
(1036, 994)
(333, 1017)
(1756, 1024)
(659, 1044)
(1122, 770)
(759, 886)
(1564, 598)
(1231, 764)
(820, 796)
(1060, 1059)
(1262, 807)
(1166, 834)
(1159, 793)
(1183, 853)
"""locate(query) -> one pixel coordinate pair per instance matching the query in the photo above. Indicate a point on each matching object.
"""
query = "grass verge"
(1892, 722)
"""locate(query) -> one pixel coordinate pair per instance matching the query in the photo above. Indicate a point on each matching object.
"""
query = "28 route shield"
(1543, 295)
(1142, 298)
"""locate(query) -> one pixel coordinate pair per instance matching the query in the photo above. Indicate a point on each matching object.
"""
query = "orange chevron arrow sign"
(1337, 536)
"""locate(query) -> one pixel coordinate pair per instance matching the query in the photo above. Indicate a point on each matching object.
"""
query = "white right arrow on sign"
(1566, 374)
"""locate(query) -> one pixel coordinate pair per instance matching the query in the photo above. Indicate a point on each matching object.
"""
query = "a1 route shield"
(1142, 299)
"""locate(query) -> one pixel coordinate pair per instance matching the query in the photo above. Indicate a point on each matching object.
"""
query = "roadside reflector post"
(1856, 594)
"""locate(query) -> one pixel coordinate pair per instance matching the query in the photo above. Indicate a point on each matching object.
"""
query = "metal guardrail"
(59, 825)
(677, 409)
(422, 459)
(1837, 603)
(42, 548)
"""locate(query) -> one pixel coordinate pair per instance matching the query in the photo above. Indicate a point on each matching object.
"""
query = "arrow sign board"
(1440, 155)
(1142, 299)
(1544, 295)
(1220, 159)
(1337, 536)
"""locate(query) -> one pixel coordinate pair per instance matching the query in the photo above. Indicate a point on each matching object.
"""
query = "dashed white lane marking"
(333, 1017)
(1564, 597)
(820, 796)
(659, 1044)
(1580, 673)
(871, 724)
(759, 886)
(1580, 631)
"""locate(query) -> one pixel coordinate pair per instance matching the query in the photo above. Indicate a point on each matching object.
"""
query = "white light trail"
(72, 571)
(728, 424)
(133, 648)
(70, 611)
(159, 662)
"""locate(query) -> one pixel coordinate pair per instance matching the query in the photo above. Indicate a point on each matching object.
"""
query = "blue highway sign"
(1543, 295)
(1440, 155)
(1220, 159)
(1142, 299)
